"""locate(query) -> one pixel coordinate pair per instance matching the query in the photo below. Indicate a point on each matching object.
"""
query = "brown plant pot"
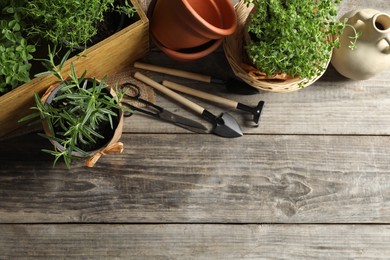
(184, 24)
(186, 55)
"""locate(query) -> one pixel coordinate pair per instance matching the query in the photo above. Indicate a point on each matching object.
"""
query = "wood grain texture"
(332, 105)
(311, 182)
(178, 178)
(195, 241)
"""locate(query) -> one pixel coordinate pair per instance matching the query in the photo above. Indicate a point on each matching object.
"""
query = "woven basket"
(236, 56)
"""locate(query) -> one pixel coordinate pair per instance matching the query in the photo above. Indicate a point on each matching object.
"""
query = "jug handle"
(359, 16)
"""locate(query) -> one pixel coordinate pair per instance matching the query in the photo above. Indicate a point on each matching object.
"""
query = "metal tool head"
(132, 93)
(228, 127)
(224, 125)
(256, 111)
(183, 122)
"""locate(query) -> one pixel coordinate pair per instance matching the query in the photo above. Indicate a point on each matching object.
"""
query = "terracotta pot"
(183, 24)
(372, 52)
(186, 55)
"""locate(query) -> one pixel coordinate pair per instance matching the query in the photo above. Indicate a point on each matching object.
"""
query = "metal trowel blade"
(228, 128)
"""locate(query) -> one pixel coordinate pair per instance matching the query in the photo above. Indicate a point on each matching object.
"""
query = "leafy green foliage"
(24, 23)
(125, 9)
(80, 114)
(293, 36)
(71, 22)
(15, 52)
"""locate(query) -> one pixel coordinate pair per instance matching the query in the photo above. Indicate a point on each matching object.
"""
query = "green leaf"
(29, 117)
(41, 74)
(9, 10)
(64, 59)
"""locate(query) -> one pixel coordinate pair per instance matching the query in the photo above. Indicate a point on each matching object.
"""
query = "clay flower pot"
(181, 25)
(190, 54)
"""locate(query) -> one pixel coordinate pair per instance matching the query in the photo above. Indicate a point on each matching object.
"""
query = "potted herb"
(81, 116)
(292, 36)
(117, 52)
(288, 42)
(65, 22)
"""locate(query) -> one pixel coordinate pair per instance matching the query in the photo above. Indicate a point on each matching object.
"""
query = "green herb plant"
(15, 52)
(74, 22)
(293, 36)
(79, 116)
(70, 23)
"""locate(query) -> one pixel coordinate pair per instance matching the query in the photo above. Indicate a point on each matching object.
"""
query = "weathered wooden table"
(312, 181)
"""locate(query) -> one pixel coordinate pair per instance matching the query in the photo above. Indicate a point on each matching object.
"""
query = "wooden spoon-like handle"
(173, 72)
(200, 94)
(191, 105)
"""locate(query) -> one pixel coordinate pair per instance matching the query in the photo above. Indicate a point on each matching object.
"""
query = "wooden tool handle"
(200, 94)
(191, 105)
(173, 72)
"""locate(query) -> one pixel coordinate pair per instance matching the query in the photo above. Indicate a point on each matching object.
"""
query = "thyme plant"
(81, 116)
(293, 36)
(71, 22)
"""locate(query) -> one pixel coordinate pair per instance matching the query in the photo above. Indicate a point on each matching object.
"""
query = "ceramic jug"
(372, 50)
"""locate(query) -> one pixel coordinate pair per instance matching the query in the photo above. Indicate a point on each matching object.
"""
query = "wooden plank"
(306, 163)
(195, 241)
(348, 5)
(144, 4)
(178, 178)
(333, 105)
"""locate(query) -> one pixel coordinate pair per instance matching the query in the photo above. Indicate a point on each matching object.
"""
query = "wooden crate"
(107, 57)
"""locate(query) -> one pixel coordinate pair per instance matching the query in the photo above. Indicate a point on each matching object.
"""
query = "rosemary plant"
(81, 116)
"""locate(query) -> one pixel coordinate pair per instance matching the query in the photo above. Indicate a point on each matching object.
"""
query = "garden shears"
(156, 111)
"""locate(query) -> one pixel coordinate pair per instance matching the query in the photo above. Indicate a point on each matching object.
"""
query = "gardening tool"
(256, 111)
(156, 111)
(233, 85)
(224, 125)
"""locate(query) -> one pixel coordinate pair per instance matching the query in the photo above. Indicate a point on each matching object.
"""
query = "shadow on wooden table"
(24, 149)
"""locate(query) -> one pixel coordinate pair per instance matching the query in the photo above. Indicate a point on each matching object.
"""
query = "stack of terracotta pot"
(190, 29)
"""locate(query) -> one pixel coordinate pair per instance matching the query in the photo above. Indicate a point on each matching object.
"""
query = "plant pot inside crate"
(91, 150)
